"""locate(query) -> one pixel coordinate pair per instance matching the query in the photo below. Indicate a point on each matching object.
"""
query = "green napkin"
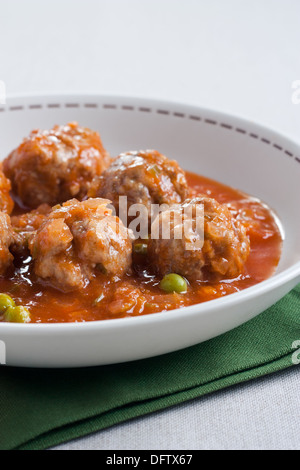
(42, 408)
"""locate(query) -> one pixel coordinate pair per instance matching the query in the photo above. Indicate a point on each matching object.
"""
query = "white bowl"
(233, 151)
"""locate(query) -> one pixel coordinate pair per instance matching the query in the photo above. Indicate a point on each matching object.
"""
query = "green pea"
(5, 302)
(17, 315)
(174, 283)
(141, 248)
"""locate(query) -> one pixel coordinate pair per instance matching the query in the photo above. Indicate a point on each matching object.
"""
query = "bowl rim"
(275, 281)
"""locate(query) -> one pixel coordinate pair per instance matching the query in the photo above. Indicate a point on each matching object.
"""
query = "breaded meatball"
(25, 225)
(6, 238)
(202, 241)
(144, 177)
(50, 167)
(78, 239)
(6, 202)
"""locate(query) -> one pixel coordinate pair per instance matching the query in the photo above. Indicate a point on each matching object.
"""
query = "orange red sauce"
(139, 293)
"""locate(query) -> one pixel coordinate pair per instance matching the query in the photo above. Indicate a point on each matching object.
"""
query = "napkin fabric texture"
(43, 408)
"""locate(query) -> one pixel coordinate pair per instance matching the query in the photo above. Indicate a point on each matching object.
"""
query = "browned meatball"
(144, 177)
(6, 238)
(76, 240)
(30, 221)
(216, 247)
(6, 202)
(53, 166)
(25, 225)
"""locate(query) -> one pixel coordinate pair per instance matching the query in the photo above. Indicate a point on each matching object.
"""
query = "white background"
(238, 56)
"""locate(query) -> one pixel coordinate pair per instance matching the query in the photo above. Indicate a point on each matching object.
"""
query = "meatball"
(78, 239)
(6, 202)
(144, 177)
(6, 238)
(24, 227)
(30, 221)
(202, 241)
(51, 167)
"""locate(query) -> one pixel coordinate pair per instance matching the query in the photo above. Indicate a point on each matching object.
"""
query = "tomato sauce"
(139, 293)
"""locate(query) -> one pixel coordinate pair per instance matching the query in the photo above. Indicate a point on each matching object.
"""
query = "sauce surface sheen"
(139, 293)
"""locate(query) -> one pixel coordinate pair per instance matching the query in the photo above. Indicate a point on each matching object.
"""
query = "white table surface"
(236, 56)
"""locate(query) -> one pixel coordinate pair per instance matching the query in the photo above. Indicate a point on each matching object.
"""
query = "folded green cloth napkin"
(42, 408)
